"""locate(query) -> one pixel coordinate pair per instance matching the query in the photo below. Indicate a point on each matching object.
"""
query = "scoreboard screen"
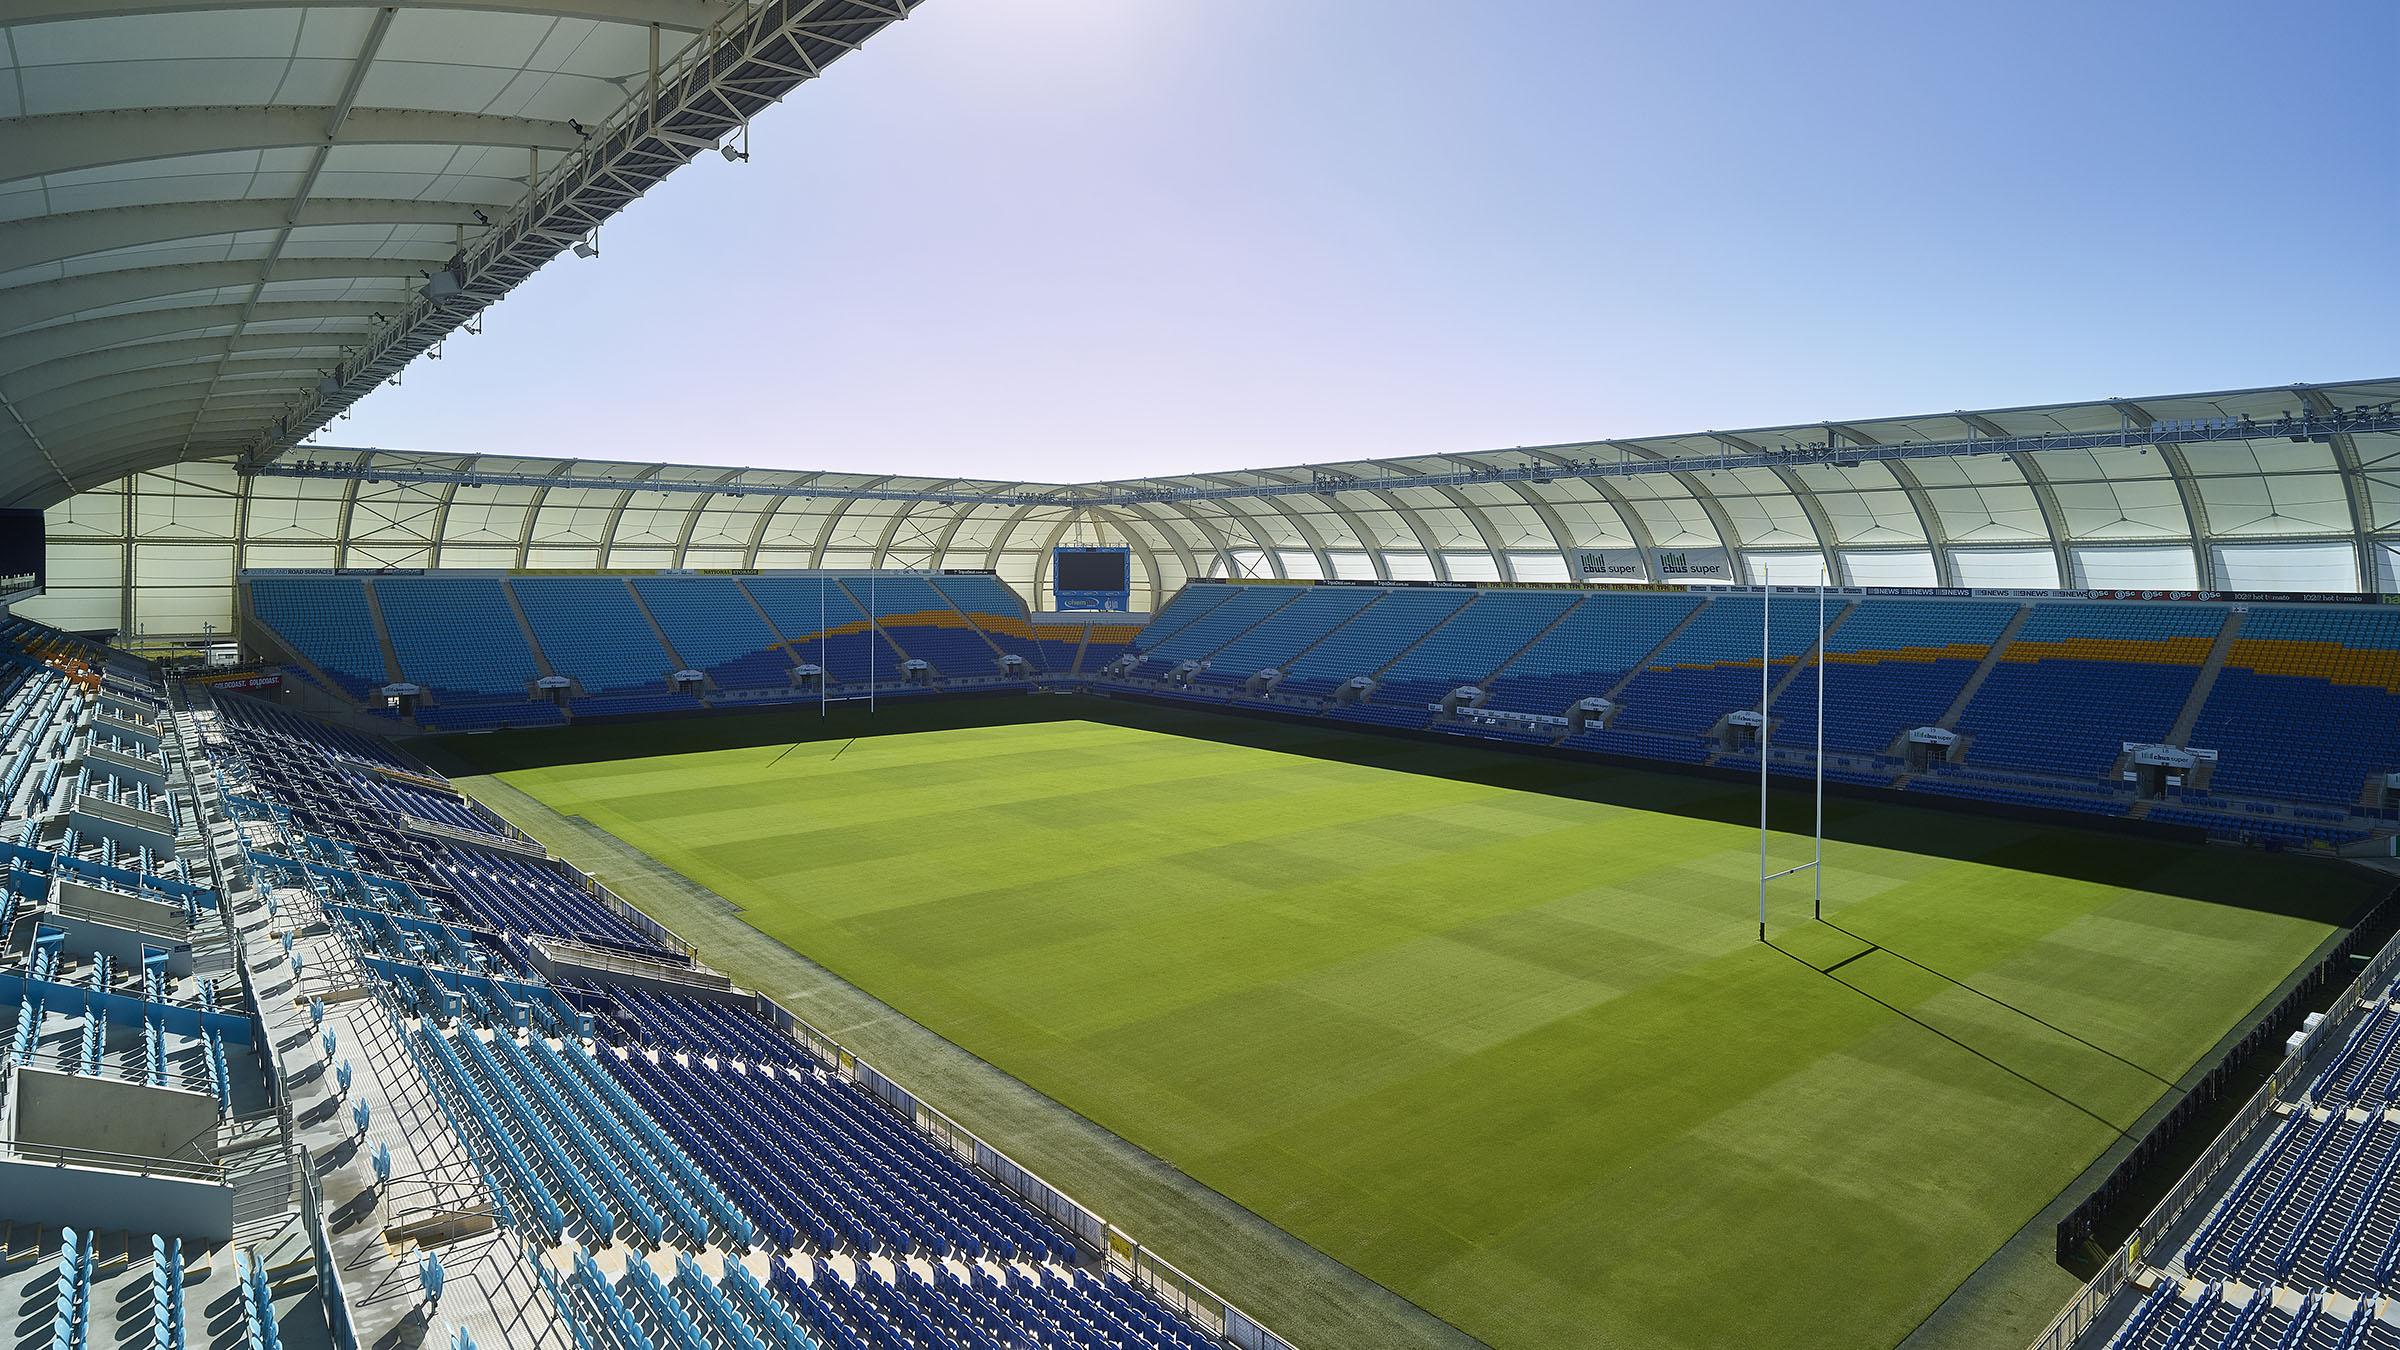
(1091, 578)
(23, 546)
(1091, 570)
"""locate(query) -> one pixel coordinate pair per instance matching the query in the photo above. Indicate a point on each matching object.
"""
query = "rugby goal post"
(1815, 866)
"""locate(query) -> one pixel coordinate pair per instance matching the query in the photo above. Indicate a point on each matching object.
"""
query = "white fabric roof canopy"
(217, 216)
(157, 551)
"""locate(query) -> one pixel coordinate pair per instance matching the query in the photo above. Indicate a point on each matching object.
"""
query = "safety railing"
(63, 1155)
(2083, 1311)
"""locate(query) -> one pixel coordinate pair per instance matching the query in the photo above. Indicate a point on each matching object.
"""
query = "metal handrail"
(64, 1156)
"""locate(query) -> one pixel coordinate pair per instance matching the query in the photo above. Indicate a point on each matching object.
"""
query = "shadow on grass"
(2165, 860)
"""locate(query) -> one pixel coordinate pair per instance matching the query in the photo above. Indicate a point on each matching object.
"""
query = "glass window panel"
(182, 610)
(1298, 564)
(1537, 567)
(288, 555)
(77, 609)
(2287, 567)
(2167, 567)
(162, 564)
(1784, 567)
(2006, 568)
(1471, 566)
(477, 555)
(1900, 568)
(1350, 566)
(84, 565)
(1408, 566)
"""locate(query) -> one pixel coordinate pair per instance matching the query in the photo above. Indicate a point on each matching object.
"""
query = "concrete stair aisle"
(1814, 655)
(383, 633)
(972, 627)
(1656, 651)
(1991, 661)
(541, 660)
(280, 649)
(1211, 653)
(2189, 717)
(867, 598)
(262, 1188)
(1530, 643)
(657, 630)
(782, 643)
(1423, 638)
(1327, 636)
(377, 1234)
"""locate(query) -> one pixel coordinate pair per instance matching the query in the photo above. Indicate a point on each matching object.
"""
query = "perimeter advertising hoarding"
(1659, 564)
(1610, 564)
(1691, 564)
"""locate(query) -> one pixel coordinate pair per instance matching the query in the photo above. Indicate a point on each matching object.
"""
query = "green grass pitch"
(1493, 1036)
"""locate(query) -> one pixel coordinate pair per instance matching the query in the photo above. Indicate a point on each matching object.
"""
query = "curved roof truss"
(2168, 492)
(223, 221)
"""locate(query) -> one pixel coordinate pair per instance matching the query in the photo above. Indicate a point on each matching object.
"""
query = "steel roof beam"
(689, 16)
(761, 55)
(106, 418)
(72, 370)
(63, 399)
(55, 238)
(377, 30)
(41, 302)
(117, 330)
(31, 147)
(2310, 427)
(186, 395)
(2355, 488)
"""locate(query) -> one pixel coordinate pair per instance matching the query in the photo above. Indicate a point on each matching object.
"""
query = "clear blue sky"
(1069, 239)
